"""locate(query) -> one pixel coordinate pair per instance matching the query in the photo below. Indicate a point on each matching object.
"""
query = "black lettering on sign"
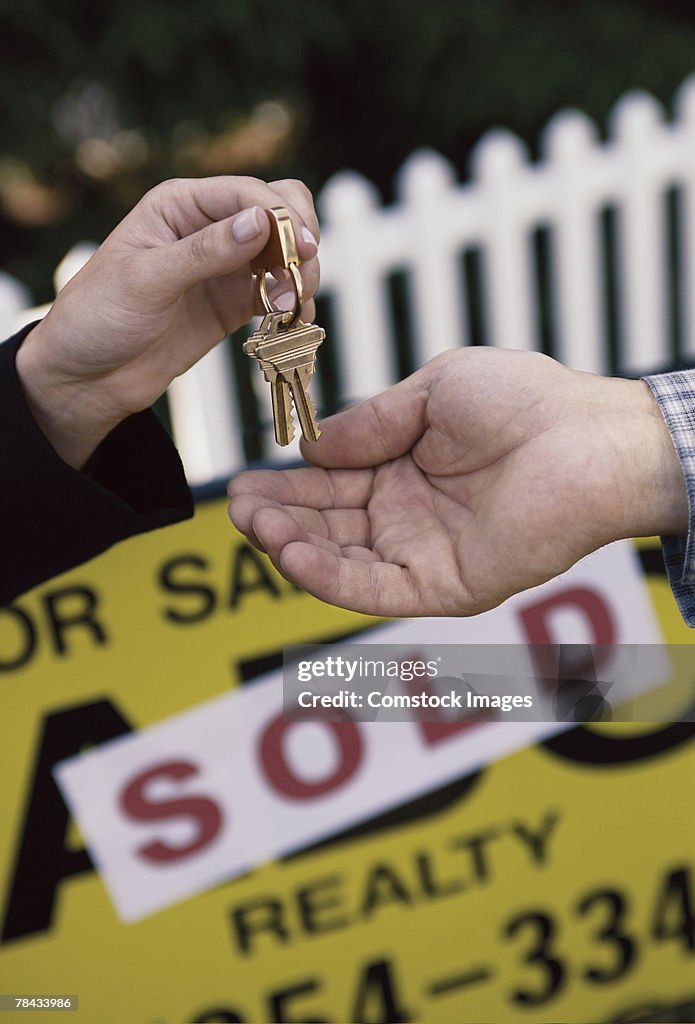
(327, 903)
(537, 841)
(383, 886)
(613, 934)
(175, 577)
(477, 846)
(22, 645)
(674, 917)
(251, 572)
(43, 859)
(434, 888)
(377, 997)
(316, 902)
(544, 963)
(66, 609)
(193, 595)
(261, 915)
(72, 608)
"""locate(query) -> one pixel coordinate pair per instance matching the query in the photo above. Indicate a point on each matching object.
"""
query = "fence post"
(426, 187)
(685, 126)
(500, 167)
(365, 355)
(204, 418)
(638, 132)
(570, 145)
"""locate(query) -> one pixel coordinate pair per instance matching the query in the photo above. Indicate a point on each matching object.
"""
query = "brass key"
(287, 356)
(282, 408)
(284, 346)
(303, 403)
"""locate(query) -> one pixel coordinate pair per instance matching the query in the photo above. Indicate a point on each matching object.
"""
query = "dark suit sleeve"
(54, 517)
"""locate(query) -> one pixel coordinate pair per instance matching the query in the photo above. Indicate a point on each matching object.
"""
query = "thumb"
(217, 249)
(378, 430)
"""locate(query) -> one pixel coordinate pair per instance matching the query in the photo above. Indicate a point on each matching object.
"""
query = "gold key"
(284, 346)
(282, 408)
(286, 353)
(303, 403)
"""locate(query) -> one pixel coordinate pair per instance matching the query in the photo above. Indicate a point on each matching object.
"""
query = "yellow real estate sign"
(553, 885)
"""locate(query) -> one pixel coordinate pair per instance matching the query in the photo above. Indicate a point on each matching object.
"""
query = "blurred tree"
(104, 100)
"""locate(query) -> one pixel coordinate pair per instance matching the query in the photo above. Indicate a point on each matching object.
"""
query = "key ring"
(262, 291)
(280, 251)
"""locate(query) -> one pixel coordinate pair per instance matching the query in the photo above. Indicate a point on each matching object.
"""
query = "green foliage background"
(367, 81)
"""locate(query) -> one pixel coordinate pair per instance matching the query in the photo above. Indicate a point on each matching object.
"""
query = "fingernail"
(246, 225)
(285, 301)
(308, 237)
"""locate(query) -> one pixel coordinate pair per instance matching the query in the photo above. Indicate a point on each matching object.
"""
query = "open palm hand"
(483, 474)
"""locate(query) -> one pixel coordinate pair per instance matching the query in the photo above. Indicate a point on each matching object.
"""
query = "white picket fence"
(495, 215)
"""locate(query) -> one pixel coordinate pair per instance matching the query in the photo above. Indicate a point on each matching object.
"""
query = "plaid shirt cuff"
(675, 393)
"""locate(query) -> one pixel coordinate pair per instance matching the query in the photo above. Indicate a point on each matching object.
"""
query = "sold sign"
(234, 782)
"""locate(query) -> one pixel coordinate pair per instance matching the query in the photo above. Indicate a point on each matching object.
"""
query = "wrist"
(65, 410)
(650, 486)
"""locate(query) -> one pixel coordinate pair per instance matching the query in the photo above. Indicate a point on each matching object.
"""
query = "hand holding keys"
(284, 345)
